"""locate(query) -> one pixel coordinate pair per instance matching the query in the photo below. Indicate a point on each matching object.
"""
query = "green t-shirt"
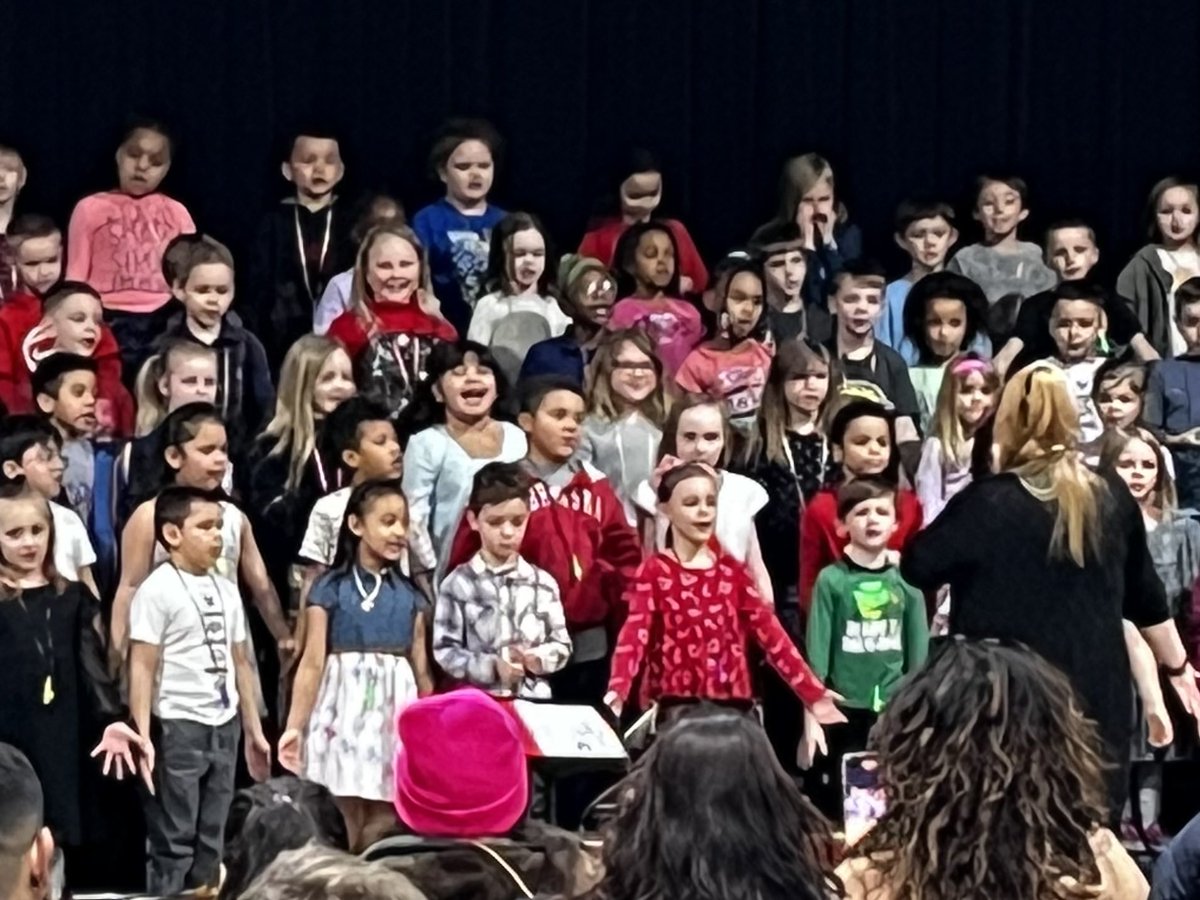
(866, 630)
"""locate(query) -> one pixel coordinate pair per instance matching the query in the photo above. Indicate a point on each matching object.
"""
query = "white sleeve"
(559, 320)
(483, 320)
(147, 614)
(423, 458)
(334, 301)
(320, 540)
(237, 612)
(77, 546)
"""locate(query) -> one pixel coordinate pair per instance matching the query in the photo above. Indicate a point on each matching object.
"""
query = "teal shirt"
(866, 630)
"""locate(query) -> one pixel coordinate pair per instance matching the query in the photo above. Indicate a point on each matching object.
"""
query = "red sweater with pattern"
(691, 628)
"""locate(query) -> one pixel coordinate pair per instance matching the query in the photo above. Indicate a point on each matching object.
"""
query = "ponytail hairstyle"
(794, 359)
(152, 403)
(602, 401)
(359, 290)
(179, 427)
(266, 819)
(293, 428)
(943, 286)
(361, 499)
(673, 477)
(17, 490)
(946, 425)
(1036, 435)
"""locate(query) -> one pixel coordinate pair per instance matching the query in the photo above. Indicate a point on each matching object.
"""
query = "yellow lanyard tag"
(48, 692)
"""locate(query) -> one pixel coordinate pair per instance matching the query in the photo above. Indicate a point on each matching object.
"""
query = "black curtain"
(1090, 100)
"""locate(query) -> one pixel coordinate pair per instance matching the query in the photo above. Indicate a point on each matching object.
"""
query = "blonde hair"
(152, 404)
(293, 427)
(602, 402)
(947, 426)
(1036, 435)
(316, 872)
(359, 291)
(1113, 444)
(800, 175)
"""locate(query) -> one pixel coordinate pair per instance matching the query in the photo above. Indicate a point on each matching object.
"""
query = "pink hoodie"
(115, 243)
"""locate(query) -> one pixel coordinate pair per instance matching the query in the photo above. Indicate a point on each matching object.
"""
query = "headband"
(969, 366)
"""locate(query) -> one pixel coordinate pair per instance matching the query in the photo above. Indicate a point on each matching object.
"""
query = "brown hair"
(18, 491)
(859, 490)
(359, 289)
(793, 359)
(201, 252)
(668, 446)
(946, 425)
(601, 401)
(1113, 444)
(1156, 194)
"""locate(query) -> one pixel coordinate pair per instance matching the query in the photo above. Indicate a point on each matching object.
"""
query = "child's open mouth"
(474, 394)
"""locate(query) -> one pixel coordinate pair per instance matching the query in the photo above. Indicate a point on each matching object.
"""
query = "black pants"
(185, 820)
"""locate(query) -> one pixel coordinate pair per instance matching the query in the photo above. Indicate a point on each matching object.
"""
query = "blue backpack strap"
(102, 519)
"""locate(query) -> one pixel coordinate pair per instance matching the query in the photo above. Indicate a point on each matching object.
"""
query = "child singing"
(693, 611)
(866, 628)
(499, 623)
(190, 667)
(364, 661)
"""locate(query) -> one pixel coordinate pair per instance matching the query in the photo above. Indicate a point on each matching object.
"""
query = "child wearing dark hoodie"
(204, 287)
(577, 532)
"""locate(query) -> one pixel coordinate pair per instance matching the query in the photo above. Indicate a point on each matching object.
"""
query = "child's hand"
(291, 751)
(509, 671)
(34, 347)
(825, 229)
(118, 745)
(258, 755)
(1158, 723)
(813, 742)
(613, 702)
(685, 284)
(825, 711)
(804, 218)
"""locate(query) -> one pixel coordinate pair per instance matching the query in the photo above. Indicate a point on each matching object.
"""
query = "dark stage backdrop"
(1091, 100)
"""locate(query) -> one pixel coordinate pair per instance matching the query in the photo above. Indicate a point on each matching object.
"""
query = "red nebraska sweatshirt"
(580, 535)
(19, 315)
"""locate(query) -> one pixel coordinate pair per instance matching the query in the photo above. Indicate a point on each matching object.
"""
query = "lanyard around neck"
(303, 250)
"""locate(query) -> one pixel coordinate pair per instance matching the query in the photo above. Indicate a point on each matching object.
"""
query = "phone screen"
(862, 797)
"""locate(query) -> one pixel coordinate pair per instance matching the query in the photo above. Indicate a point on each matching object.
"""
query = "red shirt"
(351, 331)
(600, 242)
(580, 535)
(691, 627)
(19, 315)
(821, 545)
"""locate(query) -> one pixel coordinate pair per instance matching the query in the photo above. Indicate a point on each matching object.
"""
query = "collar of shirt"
(520, 566)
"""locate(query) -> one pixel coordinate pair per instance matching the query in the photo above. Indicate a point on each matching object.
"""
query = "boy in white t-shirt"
(360, 433)
(190, 667)
(30, 449)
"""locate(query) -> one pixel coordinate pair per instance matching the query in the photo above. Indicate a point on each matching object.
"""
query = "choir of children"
(544, 477)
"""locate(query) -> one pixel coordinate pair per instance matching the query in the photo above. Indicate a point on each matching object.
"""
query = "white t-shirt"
(738, 501)
(72, 546)
(195, 621)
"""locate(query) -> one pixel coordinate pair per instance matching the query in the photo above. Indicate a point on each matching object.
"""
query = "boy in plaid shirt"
(499, 622)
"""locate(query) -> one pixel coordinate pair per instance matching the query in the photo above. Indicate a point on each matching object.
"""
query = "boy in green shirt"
(866, 629)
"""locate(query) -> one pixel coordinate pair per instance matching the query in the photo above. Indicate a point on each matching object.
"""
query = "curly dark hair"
(709, 814)
(993, 779)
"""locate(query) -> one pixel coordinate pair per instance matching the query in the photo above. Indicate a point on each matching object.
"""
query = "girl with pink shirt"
(648, 279)
(116, 238)
(732, 365)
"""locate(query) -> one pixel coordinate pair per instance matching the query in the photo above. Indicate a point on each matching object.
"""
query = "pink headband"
(970, 366)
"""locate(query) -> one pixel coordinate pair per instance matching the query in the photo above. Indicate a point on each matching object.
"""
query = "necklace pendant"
(368, 603)
(48, 691)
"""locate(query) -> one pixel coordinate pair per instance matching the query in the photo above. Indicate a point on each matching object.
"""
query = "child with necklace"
(364, 660)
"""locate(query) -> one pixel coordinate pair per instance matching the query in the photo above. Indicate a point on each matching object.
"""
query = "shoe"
(1156, 837)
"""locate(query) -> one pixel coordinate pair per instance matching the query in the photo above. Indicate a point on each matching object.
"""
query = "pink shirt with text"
(673, 325)
(115, 243)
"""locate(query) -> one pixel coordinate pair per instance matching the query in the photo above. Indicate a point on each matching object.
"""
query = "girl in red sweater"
(862, 436)
(693, 609)
(394, 320)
